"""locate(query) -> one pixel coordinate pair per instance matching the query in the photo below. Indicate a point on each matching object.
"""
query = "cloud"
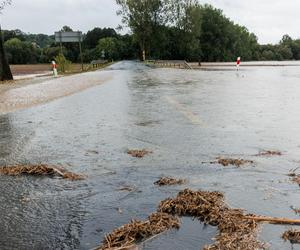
(268, 19)
(44, 16)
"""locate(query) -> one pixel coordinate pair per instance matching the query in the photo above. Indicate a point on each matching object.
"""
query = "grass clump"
(138, 153)
(130, 234)
(292, 235)
(168, 181)
(39, 170)
(235, 231)
(225, 162)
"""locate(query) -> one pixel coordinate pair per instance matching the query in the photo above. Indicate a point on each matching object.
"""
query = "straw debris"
(295, 177)
(168, 181)
(235, 232)
(292, 235)
(138, 153)
(225, 162)
(130, 234)
(269, 153)
(39, 170)
(296, 210)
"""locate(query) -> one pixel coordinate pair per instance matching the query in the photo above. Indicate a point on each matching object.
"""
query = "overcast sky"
(268, 19)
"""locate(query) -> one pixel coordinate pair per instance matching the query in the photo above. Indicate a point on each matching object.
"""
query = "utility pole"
(80, 49)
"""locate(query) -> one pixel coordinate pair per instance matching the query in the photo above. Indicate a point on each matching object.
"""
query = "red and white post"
(54, 68)
(238, 63)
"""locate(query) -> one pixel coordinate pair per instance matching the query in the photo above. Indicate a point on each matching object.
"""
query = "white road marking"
(194, 119)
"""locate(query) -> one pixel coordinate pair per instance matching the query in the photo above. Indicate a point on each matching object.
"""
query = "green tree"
(63, 64)
(93, 36)
(19, 52)
(110, 46)
(50, 53)
(142, 17)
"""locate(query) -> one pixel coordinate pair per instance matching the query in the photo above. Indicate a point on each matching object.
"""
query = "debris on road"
(138, 153)
(95, 152)
(292, 235)
(126, 188)
(130, 234)
(273, 220)
(269, 153)
(168, 181)
(235, 231)
(230, 161)
(295, 177)
(42, 170)
(147, 123)
(296, 210)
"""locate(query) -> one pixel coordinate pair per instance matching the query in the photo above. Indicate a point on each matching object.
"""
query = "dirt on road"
(26, 93)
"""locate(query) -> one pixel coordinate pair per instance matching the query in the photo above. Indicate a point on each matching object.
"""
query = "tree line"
(159, 29)
(185, 29)
(22, 48)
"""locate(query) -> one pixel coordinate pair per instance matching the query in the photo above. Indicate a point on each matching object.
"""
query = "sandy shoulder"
(26, 93)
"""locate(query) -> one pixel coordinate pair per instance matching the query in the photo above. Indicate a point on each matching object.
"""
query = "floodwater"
(186, 118)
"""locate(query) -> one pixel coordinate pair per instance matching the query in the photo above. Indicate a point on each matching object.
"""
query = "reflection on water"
(192, 235)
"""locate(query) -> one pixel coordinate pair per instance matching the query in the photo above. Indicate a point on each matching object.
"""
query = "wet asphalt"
(187, 118)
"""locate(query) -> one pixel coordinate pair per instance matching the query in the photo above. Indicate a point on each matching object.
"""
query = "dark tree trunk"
(5, 72)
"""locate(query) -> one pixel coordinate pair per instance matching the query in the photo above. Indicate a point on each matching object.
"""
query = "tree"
(19, 52)
(142, 17)
(66, 28)
(93, 36)
(110, 46)
(5, 72)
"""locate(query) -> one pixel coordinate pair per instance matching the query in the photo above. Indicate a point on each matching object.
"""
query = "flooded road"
(13, 98)
(187, 118)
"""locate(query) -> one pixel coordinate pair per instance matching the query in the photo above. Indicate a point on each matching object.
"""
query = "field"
(30, 69)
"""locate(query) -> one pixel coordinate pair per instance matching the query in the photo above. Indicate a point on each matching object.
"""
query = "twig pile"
(292, 235)
(128, 235)
(296, 210)
(168, 181)
(235, 162)
(235, 232)
(138, 153)
(42, 170)
(269, 153)
(295, 177)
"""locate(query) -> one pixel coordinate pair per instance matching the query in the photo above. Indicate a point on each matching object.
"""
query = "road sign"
(68, 37)
(238, 62)
(103, 54)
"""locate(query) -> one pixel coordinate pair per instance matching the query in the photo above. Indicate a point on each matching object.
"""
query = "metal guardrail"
(172, 63)
(97, 63)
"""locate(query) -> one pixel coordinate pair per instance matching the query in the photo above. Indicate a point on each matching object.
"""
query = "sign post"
(54, 68)
(70, 37)
(238, 62)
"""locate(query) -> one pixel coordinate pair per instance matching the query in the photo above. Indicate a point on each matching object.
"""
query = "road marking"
(194, 119)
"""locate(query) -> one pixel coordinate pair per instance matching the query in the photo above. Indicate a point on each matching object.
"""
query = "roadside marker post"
(238, 62)
(54, 68)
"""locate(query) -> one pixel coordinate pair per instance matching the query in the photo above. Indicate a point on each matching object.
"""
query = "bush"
(63, 64)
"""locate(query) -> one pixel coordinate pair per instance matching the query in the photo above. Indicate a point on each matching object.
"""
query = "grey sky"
(268, 19)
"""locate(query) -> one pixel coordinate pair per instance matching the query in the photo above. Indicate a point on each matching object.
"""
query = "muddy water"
(186, 118)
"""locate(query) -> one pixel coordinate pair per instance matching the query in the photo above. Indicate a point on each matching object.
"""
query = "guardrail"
(181, 64)
(98, 63)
